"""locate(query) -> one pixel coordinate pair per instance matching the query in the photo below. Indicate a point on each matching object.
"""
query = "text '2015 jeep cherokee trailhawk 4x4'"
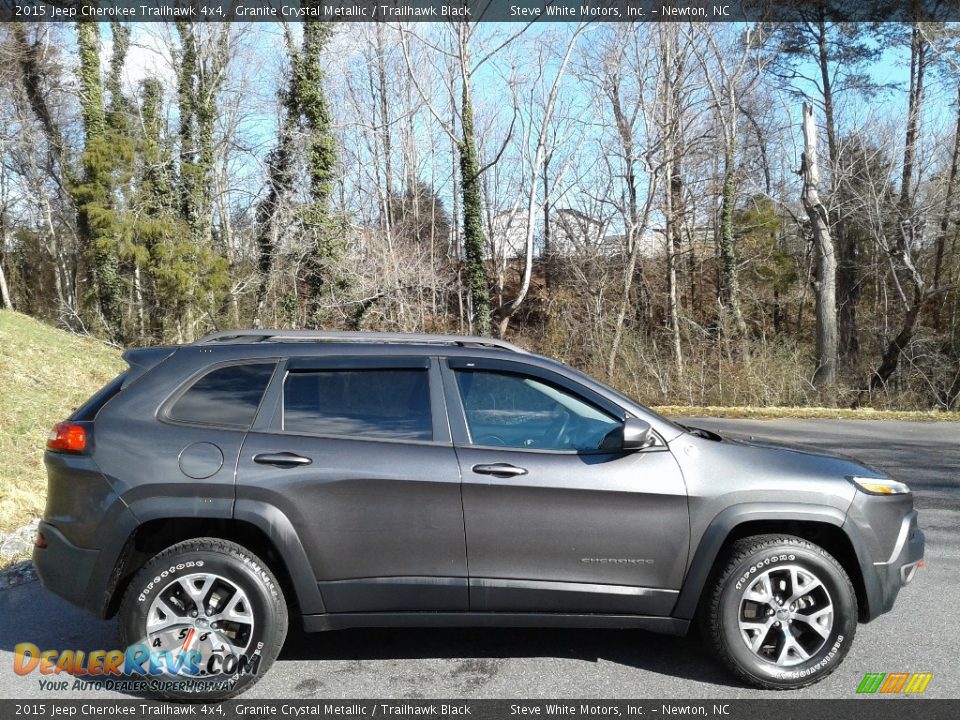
(362, 479)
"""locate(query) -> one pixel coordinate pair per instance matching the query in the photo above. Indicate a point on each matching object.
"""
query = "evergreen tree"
(105, 162)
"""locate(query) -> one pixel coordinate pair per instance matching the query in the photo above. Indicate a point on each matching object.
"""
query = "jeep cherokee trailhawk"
(376, 479)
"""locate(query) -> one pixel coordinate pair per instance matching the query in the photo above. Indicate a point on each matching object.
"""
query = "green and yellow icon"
(893, 683)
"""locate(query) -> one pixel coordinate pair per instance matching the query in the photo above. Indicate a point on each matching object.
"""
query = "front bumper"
(899, 569)
(888, 561)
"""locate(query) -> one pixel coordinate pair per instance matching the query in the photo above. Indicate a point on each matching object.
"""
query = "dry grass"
(44, 374)
(770, 413)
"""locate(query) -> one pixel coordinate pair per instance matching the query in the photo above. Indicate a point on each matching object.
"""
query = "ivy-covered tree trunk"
(473, 212)
(201, 71)
(190, 186)
(158, 228)
(322, 244)
(280, 166)
(93, 194)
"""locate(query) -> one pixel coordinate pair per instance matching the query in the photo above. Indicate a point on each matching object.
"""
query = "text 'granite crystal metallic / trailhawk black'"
(378, 480)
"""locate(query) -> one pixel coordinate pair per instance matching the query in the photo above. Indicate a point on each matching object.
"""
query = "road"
(922, 634)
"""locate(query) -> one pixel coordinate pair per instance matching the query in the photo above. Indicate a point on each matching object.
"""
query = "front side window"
(390, 404)
(511, 410)
(228, 396)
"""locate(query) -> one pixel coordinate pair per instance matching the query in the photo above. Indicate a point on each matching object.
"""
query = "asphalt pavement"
(921, 634)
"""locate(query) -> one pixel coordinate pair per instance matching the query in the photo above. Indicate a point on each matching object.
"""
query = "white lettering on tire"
(813, 669)
(783, 557)
(173, 569)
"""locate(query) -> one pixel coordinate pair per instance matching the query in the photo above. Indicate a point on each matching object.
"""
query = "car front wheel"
(782, 613)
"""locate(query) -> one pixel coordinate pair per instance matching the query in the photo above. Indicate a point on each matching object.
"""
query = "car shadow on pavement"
(686, 657)
(29, 614)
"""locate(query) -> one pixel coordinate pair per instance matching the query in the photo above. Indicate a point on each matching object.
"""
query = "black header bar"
(318, 709)
(513, 11)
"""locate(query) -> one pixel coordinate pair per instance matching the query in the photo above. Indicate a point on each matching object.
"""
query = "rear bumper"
(64, 568)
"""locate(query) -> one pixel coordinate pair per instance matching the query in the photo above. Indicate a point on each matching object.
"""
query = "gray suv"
(372, 480)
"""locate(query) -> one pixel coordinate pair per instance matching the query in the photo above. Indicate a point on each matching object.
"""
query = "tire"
(822, 621)
(240, 613)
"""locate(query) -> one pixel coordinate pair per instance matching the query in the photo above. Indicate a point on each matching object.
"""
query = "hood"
(811, 451)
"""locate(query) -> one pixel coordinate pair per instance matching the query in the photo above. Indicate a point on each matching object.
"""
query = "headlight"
(880, 486)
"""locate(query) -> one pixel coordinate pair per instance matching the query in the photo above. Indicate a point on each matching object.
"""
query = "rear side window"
(228, 396)
(391, 404)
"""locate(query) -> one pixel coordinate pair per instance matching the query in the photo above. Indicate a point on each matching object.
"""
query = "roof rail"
(257, 336)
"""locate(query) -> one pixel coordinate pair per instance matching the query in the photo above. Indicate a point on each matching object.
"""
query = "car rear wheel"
(203, 620)
(782, 613)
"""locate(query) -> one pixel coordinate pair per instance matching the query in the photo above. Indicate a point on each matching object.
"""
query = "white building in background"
(574, 234)
(507, 238)
(700, 239)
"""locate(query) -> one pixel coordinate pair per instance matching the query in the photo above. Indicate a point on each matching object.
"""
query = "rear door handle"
(282, 459)
(499, 470)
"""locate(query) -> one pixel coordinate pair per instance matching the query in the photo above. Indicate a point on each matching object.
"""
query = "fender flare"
(719, 530)
(280, 531)
(275, 526)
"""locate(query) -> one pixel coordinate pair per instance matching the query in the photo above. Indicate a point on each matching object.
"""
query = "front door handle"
(499, 470)
(282, 459)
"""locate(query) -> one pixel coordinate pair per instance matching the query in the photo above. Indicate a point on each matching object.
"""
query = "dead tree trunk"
(5, 302)
(946, 217)
(826, 263)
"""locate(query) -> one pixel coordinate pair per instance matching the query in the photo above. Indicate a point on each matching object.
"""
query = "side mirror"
(637, 434)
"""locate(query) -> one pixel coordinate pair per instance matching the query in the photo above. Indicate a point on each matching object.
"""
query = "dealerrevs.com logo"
(138, 668)
(894, 683)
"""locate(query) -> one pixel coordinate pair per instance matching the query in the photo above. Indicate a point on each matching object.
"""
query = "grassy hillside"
(44, 374)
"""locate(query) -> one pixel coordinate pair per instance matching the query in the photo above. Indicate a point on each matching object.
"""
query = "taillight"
(67, 437)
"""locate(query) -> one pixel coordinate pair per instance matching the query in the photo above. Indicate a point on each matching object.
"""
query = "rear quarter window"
(226, 397)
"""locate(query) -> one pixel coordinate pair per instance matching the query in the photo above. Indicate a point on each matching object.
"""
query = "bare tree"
(730, 71)
(537, 120)
(626, 94)
(946, 215)
(826, 264)
(466, 56)
(673, 62)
